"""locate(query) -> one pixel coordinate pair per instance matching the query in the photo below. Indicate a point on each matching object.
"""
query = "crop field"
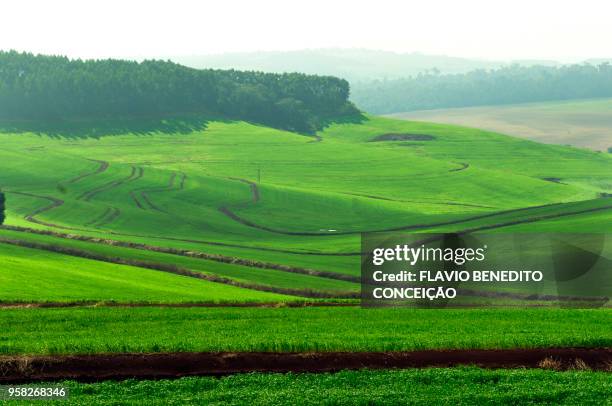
(252, 192)
(145, 330)
(386, 387)
(192, 236)
(30, 275)
(581, 123)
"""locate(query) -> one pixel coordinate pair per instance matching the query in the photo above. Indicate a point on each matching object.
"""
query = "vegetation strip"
(255, 193)
(174, 365)
(95, 303)
(416, 201)
(308, 293)
(32, 216)
(103, 167)
(191, 254)
(225, 210)
(87, 196)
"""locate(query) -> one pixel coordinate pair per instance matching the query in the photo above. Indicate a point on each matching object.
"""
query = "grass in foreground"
(456, 386)
(29, 275)
(109, 330)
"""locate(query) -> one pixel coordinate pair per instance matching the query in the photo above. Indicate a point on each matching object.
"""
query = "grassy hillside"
(581, 123)
(290, 207)
(29, 275)
(133, 222)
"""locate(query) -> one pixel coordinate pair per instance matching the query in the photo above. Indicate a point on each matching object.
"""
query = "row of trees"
(512, 84)
(43, 87)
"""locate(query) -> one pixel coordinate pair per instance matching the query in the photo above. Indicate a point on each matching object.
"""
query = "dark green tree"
(511, 84)
(49, 87)
(2, 203)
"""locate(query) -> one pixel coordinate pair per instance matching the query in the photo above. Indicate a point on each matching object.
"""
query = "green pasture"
(29, 275)
(457, 386)
(314, 195)
(104, 329)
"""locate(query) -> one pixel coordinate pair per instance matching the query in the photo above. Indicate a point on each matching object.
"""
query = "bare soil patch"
(174, 365)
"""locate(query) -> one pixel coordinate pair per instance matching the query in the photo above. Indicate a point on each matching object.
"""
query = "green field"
(264, 195)
(30, 275)
(134, 224)
(104, 214)
(112, 330)
(581, 123)
(457, 386)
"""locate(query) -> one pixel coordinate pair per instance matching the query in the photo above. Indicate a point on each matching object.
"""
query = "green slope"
(248, 191)
(103, 329)
(29, 275)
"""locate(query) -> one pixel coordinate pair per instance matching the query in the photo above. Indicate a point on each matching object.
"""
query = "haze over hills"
(387, 82)
(352, 64)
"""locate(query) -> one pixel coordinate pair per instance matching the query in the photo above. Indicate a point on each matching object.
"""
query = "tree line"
(507, 85)
(37, 87)
(2, 201)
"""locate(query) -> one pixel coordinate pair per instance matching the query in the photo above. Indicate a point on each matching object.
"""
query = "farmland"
(246, 208)
(413, 387)
(581, 123)
(145, 330)
(33, 276)
(145, 242)
(187, 190)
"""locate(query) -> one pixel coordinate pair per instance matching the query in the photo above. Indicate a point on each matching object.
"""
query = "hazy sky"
(490, 29)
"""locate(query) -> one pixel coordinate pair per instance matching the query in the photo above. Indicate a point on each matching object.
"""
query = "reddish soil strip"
(94, 303)
(136, 201)
(148, 201)
(103, 166)
(554, 180)
(99, 218)
(578, 300)
(114, 213)
(421, 202)
(87, 196)
(182, 182)
(463, 167)
(143, 192)
(54, 204)
(253, 186)
(174, 365)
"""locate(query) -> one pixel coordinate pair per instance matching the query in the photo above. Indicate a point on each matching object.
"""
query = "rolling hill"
(277, 211)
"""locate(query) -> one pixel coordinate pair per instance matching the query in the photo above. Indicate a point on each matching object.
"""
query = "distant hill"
(351, 64)
(507, 85)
